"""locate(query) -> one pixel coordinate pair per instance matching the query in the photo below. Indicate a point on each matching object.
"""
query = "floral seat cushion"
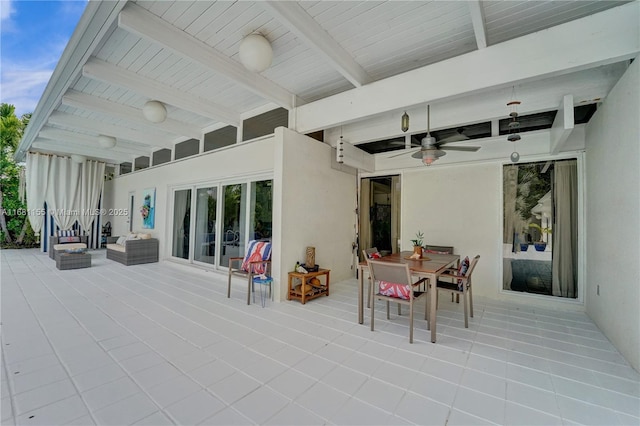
(401, 291)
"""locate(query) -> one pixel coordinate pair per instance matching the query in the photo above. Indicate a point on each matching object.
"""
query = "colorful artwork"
(148, 208)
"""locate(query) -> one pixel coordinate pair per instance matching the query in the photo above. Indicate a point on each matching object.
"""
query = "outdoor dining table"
(429, 267)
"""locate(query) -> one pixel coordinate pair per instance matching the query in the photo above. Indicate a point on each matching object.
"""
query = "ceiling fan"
(430, 149)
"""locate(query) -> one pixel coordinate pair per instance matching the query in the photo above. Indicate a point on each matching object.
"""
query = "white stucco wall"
(237, 161)
(457, 206)
(613, 216)
(317, 206)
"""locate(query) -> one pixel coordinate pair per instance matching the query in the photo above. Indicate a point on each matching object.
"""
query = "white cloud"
(23, 87)
(6, 9)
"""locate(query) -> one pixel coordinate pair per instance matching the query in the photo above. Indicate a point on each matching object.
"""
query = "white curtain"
(181, 198)
(565, 230)
(510, 191)
(395, 213)
(62, 191)
(90, 188)
(36, 186)
(365, 218)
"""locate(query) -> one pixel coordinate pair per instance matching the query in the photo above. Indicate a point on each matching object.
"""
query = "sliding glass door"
(217, 231)
(540, 246)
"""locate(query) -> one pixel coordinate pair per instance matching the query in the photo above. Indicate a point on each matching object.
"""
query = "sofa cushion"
(75, 250)
(116, 247)
(66, 233)
(69, 246)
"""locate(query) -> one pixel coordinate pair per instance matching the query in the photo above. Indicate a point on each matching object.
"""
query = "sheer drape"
(36, 187)
(510, 194)
(365, 219)
(395, 212)
(90, 188)
(565, 230)
(62, 191)
(179, 210)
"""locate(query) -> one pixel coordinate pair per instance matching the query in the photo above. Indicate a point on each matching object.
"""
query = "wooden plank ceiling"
(185, 54)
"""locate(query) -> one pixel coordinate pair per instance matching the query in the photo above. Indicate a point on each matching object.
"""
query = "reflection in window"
(261, 210)
(205, 247)
(181, 223)
(540, 228)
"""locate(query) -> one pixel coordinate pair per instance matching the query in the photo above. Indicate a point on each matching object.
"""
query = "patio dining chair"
(458, 281)
(255, 264)
(392, 282)
(441, 250)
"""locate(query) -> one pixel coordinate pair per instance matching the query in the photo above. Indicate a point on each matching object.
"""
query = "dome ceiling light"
(255, 53)
(154, 111)
(106, 141)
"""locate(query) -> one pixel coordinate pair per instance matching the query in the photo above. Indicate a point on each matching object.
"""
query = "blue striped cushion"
(66, 233)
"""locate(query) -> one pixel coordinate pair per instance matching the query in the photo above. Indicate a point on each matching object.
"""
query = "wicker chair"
(134, 252)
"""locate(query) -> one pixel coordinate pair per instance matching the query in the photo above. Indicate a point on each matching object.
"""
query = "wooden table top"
(431, 262)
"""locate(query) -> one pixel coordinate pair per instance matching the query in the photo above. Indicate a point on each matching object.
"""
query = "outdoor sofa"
(133, 249)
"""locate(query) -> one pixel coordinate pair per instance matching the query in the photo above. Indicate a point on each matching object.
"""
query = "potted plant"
(417, 243)
(524, 240)
(540, 245)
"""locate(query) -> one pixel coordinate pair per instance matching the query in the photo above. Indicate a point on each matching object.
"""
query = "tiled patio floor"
(158, 344)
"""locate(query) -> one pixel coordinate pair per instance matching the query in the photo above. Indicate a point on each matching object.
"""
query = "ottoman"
(66, 261)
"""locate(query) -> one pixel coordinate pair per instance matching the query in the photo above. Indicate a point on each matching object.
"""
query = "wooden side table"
(296, 291)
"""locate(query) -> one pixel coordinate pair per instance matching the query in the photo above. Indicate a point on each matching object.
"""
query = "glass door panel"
(261, 210)
(234, 217)
(181, 223)
(205, 233)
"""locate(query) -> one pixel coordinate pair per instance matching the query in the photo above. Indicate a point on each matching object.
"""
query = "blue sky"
(34, 35)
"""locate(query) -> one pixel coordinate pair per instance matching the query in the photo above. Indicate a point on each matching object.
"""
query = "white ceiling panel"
(387, 40)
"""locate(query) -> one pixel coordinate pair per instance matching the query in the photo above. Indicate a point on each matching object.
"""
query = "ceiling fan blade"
(460, 148)
(458, 137)
(404, 152)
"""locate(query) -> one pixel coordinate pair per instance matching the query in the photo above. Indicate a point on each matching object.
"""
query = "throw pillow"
(257, 251)
(144, 236)
(462, 270)
(65, 240)
(131, 237)
(375, 255)
(121, 240)
(66, 233)
(401, 291)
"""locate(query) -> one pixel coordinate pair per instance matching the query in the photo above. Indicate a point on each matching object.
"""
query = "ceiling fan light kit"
(430, 149)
